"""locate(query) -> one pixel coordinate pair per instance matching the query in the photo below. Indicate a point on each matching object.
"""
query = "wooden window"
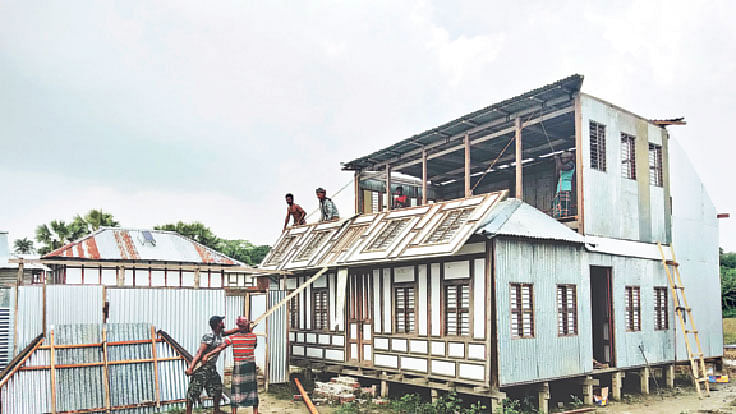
(661, 320)
(388, 234)
(448, 227)
(316, 241)
(320, 309)
(633, 309)
(567, 310)
(294, 312)
(522, 310)
(457, 308)
(655, 165)
(628, 156)
(404, 308)
(597, 146)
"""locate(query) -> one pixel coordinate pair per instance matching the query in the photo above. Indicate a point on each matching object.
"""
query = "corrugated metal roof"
(513, 217)
(114, 243)
(437, 229)
(499, 110)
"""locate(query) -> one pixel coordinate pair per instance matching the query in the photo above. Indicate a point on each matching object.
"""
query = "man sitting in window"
(400, 200)
(565, 171)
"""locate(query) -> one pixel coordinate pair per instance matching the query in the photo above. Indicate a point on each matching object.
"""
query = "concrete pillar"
(644, 380)
(588, 390)
(496, 405)
(669, 375)
(543, 396)
(435, 395)
(617, 379)
(384, 389)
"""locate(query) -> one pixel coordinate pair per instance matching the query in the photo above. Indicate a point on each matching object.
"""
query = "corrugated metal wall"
(79, 388)
(182, 313)
(234, 307)
(67, 304)
(546, 355)
(278, 369)
(658, 346)
(30, 316)
(6, 326)
(28, 391)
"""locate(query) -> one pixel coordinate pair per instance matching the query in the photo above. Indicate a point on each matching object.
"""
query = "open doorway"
(601, 305)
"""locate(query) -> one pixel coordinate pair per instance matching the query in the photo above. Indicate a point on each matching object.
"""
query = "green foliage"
(575, 401)
(241, 250)
(509, 406)
(728, 283)
(23, 246)
(58, 232)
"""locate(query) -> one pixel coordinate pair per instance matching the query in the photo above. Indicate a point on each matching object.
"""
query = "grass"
(729, 331)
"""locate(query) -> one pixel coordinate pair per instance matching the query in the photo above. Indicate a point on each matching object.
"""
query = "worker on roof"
(400, 200)
(327, 208)
(294, 210)
(565, 171)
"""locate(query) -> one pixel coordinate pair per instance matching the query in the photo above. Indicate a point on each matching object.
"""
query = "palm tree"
(23, 246)
(98, 218)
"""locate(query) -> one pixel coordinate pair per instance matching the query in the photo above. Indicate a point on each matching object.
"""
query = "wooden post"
(196, 277)
(20, 272)
(543, 397)
(424, 176)
(357, 192)
(519, 174)
(579, 165)
(155, 367)
(52, 363)
(384, 389)
(616, 383)
(389, 195)
(105, 369)
(15, 324)
(266, 367)
(43, 309)
(435, 395)
(120, 276)
(466, 144)
(669, 375)
(644, 380)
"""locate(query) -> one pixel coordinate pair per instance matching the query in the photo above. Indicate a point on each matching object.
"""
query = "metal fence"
(278, 369)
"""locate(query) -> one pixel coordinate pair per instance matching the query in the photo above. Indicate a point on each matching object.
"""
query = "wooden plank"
(424, 176)
(43, 309)
(100, 364)
(155, 367)
(20, 272)
(15, 323)
(105, 370)
(466, 145)
(519, 172)
(52, 367)
(357, 191)
(579, 165)
(19, 365)
(171, 266)
(389, 194)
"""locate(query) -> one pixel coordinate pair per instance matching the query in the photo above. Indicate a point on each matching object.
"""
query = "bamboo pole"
(105, 369)
(19, 365)
(155, 367)
(52, 367)
(519, 172)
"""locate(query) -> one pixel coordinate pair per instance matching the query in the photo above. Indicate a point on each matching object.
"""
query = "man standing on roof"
(565, 168)
(327, 208)
(244, 388)
(206, 375)
(295, 210)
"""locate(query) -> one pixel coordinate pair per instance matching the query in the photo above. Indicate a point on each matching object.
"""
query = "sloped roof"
(513, 217)
(114, 243)
(438, 229)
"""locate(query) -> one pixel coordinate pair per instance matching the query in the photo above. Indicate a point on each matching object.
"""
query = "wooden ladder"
(698, 369)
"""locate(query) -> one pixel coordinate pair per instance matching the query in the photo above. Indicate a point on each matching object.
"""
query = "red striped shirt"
(243, 345)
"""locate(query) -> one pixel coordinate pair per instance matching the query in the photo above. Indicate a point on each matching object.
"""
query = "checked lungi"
(244, 390)
(561, 205)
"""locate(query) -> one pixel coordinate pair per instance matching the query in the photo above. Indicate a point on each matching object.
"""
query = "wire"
(333, 196)
(491, 165)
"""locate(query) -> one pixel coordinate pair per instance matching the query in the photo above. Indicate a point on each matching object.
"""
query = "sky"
(166, 111)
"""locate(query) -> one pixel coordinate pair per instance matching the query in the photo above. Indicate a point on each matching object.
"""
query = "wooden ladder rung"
(695, 331)
(702, 379)
(683, 308)
(697, 355)
(672, 263)
(678, 287)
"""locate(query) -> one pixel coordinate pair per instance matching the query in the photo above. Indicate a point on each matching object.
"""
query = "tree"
(728, 283)
(195, 231)
(23, 246)
(97, 218)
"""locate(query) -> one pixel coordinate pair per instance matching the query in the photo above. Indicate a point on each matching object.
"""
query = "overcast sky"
(165, 111)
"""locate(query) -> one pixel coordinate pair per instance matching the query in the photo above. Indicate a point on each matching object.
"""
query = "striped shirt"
(243, 346)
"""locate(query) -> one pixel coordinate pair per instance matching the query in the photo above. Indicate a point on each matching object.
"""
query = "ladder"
(698, 369)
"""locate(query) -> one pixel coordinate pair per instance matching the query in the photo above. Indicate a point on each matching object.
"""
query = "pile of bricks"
(341, 390)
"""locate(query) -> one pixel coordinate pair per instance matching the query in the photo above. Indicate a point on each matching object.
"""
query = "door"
(601, 305)
(360, 318)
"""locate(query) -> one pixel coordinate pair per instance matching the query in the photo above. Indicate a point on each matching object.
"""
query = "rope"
(546, 136)
(491, 165)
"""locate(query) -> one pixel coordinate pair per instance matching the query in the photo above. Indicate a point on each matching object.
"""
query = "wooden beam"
(356, 180)
(519, 172)
(424, 176)
(20, 363)
(170, 266)
(15, 323)
(20, 272)
(389, 196)
(105, 369)
(466, 144)
(579, 165)
(53, 372)
(155, 366)
(410, 157)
